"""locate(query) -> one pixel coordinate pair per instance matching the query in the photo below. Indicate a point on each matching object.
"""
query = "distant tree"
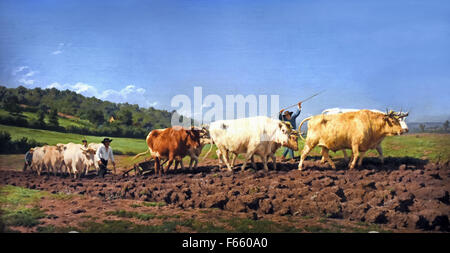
(95, 116)
(11, 104)
(41, 116)
(126, 117)
(446, 124)
(422, 127)
(53, 117)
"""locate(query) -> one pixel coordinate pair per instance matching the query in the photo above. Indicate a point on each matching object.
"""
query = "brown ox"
(360, 131)
(171, 143)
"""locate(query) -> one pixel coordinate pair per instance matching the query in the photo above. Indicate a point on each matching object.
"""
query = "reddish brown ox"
(171, 143)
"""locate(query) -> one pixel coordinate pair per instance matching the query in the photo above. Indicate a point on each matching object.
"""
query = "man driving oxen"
(290, 117)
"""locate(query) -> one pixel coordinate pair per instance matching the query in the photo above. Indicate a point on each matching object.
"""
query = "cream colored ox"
(378, 147)
(360, 131)
(54, 159)
(78, 158)
(255, 135)
(269, 151)
(95, 146)
(37, 162)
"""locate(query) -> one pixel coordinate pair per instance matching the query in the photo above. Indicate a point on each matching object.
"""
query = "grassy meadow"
(123, 145)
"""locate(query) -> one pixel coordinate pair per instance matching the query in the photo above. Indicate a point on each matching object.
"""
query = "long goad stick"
(304, 100)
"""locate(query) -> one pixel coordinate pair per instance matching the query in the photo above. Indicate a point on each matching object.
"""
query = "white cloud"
(31, 73)
(24, 73)
(60, 48)
(26, 81)
(130, 94)
(19, 69)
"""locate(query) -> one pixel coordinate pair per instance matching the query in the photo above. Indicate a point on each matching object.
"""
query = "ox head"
(194, 136)
(285, 127)
(396, 122)
(283, 137)
(89, 153)
(60, 147)
(293, 140)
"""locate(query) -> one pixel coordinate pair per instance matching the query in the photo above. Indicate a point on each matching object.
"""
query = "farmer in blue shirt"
(290, 117)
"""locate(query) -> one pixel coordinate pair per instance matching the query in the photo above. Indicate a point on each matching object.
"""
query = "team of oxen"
(335, 129)
(73, 159)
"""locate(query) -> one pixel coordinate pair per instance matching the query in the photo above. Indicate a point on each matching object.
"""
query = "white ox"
(53, 158)
(37, 162)
(77, 158)
(95, 146)
(252, 136)
(379, 149)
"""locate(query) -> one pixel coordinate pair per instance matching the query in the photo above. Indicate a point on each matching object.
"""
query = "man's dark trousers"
(102, 166)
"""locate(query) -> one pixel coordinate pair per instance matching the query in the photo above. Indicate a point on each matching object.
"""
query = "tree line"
(95, 116)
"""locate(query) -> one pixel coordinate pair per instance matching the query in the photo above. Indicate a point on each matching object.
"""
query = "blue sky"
(365, 54)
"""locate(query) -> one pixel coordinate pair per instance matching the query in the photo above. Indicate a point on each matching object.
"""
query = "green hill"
(85, 115)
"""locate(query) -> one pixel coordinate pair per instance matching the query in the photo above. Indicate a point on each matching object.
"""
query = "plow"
(142, 168)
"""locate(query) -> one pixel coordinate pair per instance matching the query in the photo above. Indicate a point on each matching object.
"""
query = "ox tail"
(140, 154)
(147, 140)
(299, 131)
(209, 151)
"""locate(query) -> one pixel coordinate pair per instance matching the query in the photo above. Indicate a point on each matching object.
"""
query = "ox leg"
(345, 154)
(225, 159)
(305, 152)
(327, 157)
(323, 158)
(181, 163)
(248, 157)
(274, 162)
(219, 157)
(194, 162)
(355, 150)
(380, 152)
(253, 162)
(264, 160)
(361, 156)
(74, 170)
(157, 165)
(191, 162)
(171, 158)
(233, 162)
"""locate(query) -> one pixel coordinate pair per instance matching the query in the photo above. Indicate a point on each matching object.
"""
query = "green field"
(64, 122)
(433, 147)
(123, 145)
